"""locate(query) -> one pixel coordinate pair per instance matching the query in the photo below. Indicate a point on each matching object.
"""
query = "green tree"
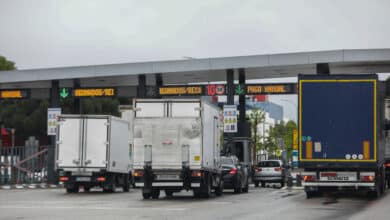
(281, 130)
(6, 64)
(257, 116)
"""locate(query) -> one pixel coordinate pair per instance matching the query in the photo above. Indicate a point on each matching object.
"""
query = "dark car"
(235, 175)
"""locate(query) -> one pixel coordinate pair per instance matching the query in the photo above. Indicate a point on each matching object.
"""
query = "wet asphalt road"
(259, 203)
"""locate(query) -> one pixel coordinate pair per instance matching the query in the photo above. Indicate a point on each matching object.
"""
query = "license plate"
(168, 177)
(338, 176)
(83, 179)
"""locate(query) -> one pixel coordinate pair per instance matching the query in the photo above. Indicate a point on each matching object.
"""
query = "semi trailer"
(177, 146)
(341, 133)
(91, 151)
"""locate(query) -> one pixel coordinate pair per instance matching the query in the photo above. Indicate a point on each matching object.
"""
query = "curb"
(293, 188)
(31, 186)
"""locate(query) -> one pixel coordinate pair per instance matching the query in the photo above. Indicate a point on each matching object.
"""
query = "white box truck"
(177, 146)
(93, 150)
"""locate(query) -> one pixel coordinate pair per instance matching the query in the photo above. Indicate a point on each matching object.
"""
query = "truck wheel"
(219, 189)
(246, 188)
(256, 184)
(206, 189)
(146, 195)
(87, 189)
(168, 193)
(310, 194)
(155, 193)
(388, 184)
(262, 184)
(238, 188)
(282, 184)
(72, 189)
(126, 185)
(197, 193)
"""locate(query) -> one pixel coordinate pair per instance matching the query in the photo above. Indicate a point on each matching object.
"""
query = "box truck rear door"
(69, 142)
(96, 142)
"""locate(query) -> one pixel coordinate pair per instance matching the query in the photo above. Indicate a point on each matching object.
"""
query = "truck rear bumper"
(167, 184)
(341, 184)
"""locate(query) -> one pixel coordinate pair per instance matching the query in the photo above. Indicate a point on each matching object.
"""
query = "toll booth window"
(150, 109)
(185, 109)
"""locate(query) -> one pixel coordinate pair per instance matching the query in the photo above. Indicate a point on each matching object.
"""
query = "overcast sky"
(52, 33)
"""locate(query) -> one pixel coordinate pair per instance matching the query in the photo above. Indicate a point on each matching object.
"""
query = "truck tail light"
(101, 179)
(233, 171)
(258, 169)
(278, 169)
(138, 173)
(367, 178)
(64, 178)
(196, 173)
(387, 164)
(309, 178)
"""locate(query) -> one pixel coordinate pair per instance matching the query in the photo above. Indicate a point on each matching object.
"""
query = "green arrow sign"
(64, 93)
(239, 90)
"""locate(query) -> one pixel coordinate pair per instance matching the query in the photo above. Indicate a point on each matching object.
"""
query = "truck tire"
(110, 187)
(282, 184)
(146, 195)
(256, 184)
(87, 189)
(388, 184)
(72, 189)
(126, 184)
(262, 184)
(219, 189)
(168, 193)
(310, 194)
(238, 188)
(197, 193)
(246, 188)
(205, 188)
(155, 193)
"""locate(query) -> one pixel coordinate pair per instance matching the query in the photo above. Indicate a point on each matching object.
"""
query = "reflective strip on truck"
(366, 150)
(309, 150)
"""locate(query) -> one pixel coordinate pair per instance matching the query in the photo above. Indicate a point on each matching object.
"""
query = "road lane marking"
(92, 208)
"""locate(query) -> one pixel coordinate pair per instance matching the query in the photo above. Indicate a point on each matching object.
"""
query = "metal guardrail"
(23, 165)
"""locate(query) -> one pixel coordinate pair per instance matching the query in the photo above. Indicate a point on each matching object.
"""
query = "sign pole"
(54, 103)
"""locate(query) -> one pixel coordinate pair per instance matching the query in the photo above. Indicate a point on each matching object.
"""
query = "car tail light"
(387, 164)
(138, 173)
(309, 178)
(101, 179)
(367, 178)
(64, 178)
(233, 171)
(278, 169)
(196, 173)
(258, 169)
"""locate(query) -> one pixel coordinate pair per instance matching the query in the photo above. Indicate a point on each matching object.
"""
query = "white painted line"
(91, 208)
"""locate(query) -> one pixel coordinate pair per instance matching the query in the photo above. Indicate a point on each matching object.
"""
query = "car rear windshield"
(269, 164)
(227, 161)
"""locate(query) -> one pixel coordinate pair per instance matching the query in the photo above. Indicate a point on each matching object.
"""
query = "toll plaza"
(184, 78)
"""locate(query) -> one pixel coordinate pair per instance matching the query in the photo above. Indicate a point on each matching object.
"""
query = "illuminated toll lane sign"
(180, 90)
(13, 94)
(94, 92)
(261, 89)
